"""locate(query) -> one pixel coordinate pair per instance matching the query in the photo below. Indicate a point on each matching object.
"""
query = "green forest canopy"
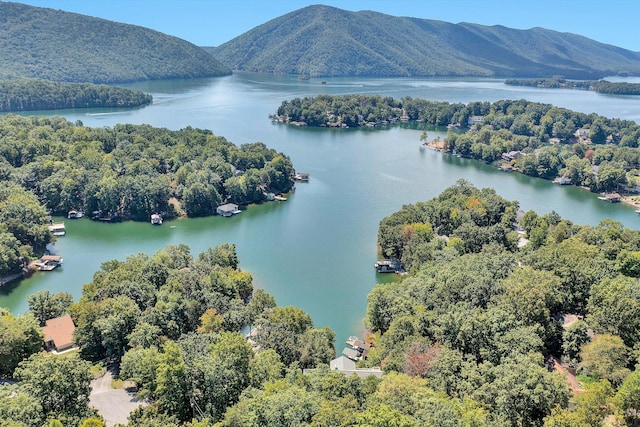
(464, 339)
(481, 308)
(51, 44)
(131, 171)
(32, 94)
(326, 41)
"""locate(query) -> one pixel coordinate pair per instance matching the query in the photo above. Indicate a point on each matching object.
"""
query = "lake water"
(316, 250)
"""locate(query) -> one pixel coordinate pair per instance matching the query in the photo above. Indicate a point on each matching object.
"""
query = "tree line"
(600, 86)
(593, 151)
(33, 94)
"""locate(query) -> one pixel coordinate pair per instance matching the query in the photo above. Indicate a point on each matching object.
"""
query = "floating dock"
(57, 228)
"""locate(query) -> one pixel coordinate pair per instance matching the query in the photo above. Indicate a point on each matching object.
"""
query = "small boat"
(301, 176)
(156, 219)
(280, 198)
(638, 211)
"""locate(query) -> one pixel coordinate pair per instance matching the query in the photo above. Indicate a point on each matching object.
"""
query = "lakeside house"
(346, 363)
(582, 135)
(58, 334)
(228, 210)
(348, 367)
(360, 347)
(511, 155)
(473, 120)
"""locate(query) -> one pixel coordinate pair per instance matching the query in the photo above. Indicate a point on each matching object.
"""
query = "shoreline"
(4, 280)
(633, 201)
(630, 201)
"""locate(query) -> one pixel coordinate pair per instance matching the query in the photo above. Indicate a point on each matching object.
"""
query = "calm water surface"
(316, 250)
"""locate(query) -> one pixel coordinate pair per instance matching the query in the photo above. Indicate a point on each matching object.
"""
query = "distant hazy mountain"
(55, 45)
(326, 41)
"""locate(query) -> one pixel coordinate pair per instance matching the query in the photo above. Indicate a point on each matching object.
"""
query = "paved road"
(114, 405)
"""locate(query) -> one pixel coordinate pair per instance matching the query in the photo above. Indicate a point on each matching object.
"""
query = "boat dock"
(156, 219)
(57, 228)
(391, 265)
(48, 262)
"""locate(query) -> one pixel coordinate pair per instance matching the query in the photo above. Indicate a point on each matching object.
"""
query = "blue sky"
(212, 22)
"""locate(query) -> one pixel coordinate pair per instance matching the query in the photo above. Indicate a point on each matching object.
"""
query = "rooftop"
(59, 331)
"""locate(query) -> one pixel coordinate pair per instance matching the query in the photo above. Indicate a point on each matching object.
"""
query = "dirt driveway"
(114, 405)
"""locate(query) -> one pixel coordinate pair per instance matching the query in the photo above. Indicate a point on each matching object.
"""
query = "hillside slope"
(54, 45)
(327, 41)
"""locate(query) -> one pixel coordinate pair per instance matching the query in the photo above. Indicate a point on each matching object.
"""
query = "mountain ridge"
(324, 41)
(50, 44)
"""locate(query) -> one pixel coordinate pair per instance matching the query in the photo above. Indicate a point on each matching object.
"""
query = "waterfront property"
(562, 180)
(286, 246)
(58, 334)
(301, 176)
(228, 209)
(48, 262)
(611, 197)
(362, 348)
(388, 265)
(74, 214)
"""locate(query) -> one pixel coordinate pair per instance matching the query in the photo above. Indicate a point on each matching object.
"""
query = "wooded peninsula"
(536, 139)
(52, 166)
(33, 94)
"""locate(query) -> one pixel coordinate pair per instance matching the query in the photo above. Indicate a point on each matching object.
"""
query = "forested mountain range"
(326, 41)
(55, 45)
